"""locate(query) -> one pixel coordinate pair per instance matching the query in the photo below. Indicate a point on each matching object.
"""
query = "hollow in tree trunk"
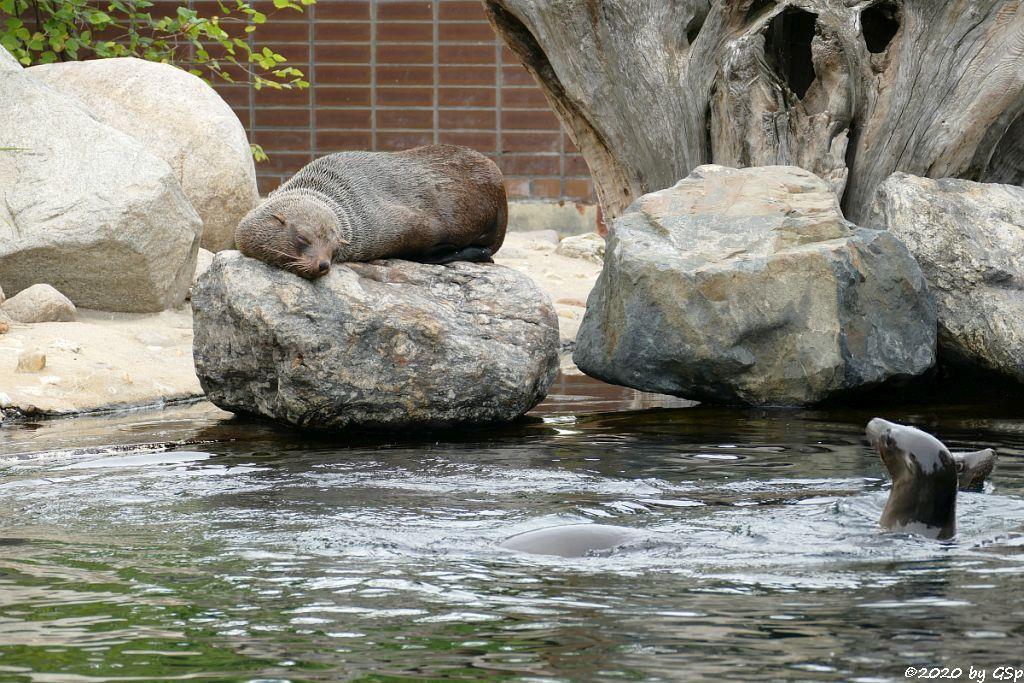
(852, 90)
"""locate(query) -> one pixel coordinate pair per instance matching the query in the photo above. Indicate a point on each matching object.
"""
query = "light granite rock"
(589, 247)
(748, 286)
(39, 304)
(969, 239)
(378, 346)
(203, 261)
(7, 61)
(86, 208)
(180, 119)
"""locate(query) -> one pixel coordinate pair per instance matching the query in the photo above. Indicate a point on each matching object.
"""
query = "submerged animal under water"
(926, 477)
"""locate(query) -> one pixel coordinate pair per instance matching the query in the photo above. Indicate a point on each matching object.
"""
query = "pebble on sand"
(31, 361)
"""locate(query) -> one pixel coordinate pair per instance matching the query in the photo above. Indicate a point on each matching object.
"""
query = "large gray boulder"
(86, 208)
(177, 117)
(381, 345)
(969, 239)
(748, 286)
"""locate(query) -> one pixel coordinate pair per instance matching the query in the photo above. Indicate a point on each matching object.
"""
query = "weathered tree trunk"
(849, 89)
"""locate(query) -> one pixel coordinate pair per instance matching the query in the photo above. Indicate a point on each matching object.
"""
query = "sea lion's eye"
(302, 240)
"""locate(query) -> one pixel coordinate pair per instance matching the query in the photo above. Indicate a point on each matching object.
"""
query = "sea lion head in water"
(972, 469)
(292, 231)
(925, 478)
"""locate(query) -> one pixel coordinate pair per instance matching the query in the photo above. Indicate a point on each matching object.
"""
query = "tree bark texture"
(852, 90)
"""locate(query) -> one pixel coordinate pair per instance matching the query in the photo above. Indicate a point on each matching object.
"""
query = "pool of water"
(185, 545)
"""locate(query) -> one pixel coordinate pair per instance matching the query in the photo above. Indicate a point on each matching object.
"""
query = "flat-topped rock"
(749, 286)
(381, 345)
(969, 239)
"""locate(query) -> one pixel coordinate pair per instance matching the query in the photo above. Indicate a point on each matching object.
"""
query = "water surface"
(254, 553)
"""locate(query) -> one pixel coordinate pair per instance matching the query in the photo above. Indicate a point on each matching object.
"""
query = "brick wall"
(393, 74)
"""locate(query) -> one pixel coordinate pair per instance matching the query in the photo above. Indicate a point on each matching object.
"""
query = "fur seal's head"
(295, 232)
(972, 469)
(924, 480)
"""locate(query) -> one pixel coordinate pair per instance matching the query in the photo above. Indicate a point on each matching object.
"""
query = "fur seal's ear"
(342, 240)
(280, 217)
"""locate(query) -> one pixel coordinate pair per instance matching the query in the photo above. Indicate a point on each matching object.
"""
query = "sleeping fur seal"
(925, 478)
(432, 204)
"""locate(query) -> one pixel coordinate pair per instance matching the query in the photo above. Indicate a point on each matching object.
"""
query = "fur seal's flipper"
(924, 480)
(473, 254)
(570, 540)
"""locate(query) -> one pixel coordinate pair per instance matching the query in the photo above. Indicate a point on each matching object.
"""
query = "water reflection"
(249, 552)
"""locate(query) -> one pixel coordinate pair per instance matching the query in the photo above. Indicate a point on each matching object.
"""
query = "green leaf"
(258, 154)
(65, 29)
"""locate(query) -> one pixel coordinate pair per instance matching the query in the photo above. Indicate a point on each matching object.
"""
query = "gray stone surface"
(380, 345)
(969, 239)
(748, 286)
(180, 119)
(39, 303)
(86, 208)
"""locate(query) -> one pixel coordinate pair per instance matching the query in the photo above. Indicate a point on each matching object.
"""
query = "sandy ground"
(108, 361)
(567, 280)
(101, 361)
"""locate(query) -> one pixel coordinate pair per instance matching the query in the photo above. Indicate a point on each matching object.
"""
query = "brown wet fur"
(434, 204)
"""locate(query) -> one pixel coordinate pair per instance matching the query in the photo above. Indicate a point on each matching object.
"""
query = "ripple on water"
(277, 558)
